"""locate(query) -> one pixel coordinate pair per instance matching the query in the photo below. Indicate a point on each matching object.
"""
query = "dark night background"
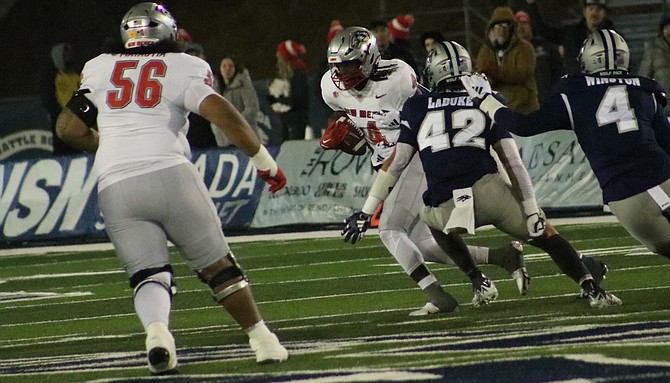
(248, 29)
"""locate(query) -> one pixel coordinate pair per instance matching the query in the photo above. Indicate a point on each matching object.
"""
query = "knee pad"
(164, 276)
(224, 277)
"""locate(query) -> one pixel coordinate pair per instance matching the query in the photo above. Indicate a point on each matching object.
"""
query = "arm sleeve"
(509, 156)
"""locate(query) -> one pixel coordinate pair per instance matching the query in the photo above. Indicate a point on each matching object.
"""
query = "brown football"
(354, 143)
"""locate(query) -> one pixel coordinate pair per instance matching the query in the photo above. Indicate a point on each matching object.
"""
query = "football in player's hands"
(342, 134)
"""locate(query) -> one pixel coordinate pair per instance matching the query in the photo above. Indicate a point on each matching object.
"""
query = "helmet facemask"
(347, 74)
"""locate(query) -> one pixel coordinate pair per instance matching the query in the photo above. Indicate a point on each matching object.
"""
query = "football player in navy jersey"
(465, 189)
(619, 122)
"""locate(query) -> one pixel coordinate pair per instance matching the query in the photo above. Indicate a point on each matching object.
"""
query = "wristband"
(262, 160)
(380, 189)
(530, 207)
(490, 105)
(371, 204)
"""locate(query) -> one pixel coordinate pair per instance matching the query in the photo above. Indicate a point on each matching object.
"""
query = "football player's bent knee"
(225, 277)
(162, 276)
(392, 238)
(405, 252)
(549, 229)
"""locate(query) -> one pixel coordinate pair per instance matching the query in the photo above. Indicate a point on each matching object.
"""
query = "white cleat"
(603, 298)
(427, 309)
(484, 293)
(268, 350)
(161, 350)
(522, 279)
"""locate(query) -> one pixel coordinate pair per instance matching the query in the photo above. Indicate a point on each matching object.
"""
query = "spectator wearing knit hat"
(388, 46)
(399, 28)
(288, 93)
(549, 65)
(335, 26)
(655, 61)
(570, 37)
(509, 62)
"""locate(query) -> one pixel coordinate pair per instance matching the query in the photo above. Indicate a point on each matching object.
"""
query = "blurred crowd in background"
(286, 105)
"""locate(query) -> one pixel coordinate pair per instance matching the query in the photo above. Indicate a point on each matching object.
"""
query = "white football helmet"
(604, 50)
(353, 56)
(146, 24)
(447, 61)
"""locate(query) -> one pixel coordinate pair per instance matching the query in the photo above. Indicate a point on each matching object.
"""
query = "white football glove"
(535, 225)
(387, 118)
(534, 221)
(477, 86)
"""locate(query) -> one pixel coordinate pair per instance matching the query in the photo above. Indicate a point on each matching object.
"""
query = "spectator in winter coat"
(236, 87)
(570, 37)
(509, 62)
(656, 60)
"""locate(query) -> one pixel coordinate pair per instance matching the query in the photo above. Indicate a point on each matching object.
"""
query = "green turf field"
(341, 310)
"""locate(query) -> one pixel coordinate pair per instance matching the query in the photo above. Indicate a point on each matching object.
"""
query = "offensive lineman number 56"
(146, 93)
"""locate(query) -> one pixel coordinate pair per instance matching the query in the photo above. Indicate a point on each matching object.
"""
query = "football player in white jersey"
(138, 99)
(372, 91)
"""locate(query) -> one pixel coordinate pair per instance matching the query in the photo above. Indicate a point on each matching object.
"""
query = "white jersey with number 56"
(156, 93)
(371, 108)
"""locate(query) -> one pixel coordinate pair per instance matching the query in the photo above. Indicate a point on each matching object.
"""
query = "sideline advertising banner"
(56, 198)
(327, 186)
(323, 186)
(559, 171)
(24, 130)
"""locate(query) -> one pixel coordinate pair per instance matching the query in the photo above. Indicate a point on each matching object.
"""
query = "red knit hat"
(335, 27)
(291, 51)
(183, 35)
(399, 26)
(522, 17)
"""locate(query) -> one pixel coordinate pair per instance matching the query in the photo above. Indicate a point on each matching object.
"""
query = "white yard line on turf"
(264, 237)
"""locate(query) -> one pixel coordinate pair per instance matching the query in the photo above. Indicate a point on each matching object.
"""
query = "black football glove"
(355, 227)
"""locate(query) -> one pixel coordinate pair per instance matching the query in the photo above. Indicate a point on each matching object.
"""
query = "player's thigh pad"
(129, 211)
(641, 216)
(401, 207)
(496, 204)
(192, 222)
